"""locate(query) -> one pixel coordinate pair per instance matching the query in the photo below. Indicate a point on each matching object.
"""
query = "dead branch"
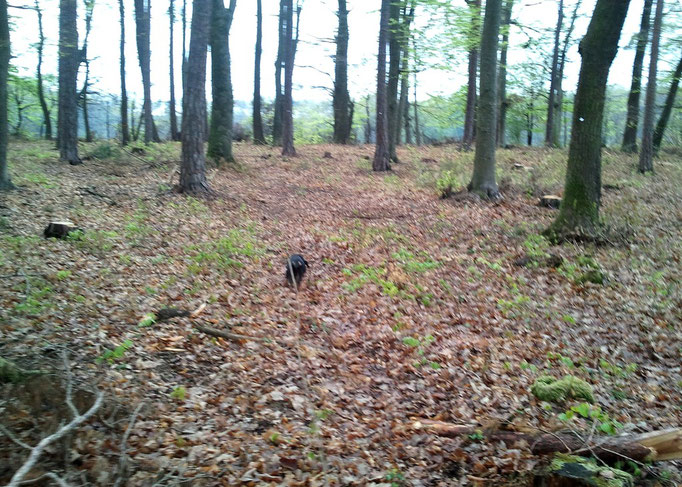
(226, 334)
(123, 460)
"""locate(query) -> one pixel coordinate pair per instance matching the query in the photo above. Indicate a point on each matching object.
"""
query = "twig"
(60, 481)
(69, 386)
(123, 460)
(14, 438)
(226, 334)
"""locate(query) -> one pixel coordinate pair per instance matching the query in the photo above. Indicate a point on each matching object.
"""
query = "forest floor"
(412, 308)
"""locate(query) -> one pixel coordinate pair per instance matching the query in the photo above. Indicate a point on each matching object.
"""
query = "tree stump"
(550, 201)
(60, 229)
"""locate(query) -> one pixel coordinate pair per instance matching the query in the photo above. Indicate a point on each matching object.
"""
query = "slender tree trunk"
(483, 180)
(368, 124)
(632, 120)
(125, 130)
(502, 76)
(646, 154)
(289, 58)
(417, 129)
(407, 18)
(258, 134)
(220, 137)
(184, 43)
(579, 212)
(559, 114)
(550, 128)
(5, 180)
(667, 108)
(382, 158)
(89, 8)
(405, 104)
(174, 134)
(69, 59)
(39, 75)
(143, 27)
(474, 41)
(279, 62)
(341, 99)
(394, 49)
(193, 166)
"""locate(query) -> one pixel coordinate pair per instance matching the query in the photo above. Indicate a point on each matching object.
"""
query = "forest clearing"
(413, 308)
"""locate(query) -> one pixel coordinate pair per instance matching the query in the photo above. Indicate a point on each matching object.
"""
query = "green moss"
(594, 276)
(585, 472)
(547, 388)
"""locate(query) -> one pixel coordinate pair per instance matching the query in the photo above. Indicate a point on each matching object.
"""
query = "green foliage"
(94, 241)
(112, 355)
(410, 263)
(147, 320)
(63, 275)
(37, 300)
(395, 477)
(226, 252)
(550, 389)
(179, 393)
(604, 423)
(421, 344)
(105, 150)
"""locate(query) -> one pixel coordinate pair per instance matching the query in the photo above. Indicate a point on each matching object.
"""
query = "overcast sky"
(314, 64)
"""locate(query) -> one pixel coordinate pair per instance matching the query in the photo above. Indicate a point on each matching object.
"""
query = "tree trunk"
(368, 124)
(5, 180)
(632, 120)
(474, 40)
(559, 114)
(89, 7)
(341, 99)
(184, 48)
(502, 75)
(69, 59)
(394, 50)
(646, 154)
(417, 129)
(125, 130)
(407, 18)
(258, 134)
(143, 28)
(174, 134)
(382, 159)
(193, 166)
(483, 180)
(405, 101)
(279, 62)
(47, 123)
(579, 212)
(667, 108)
(289, 58)
(551, 135)
(220, 137)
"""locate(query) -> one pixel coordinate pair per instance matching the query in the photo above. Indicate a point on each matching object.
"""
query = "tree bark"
(287, 100)
(193, 167)
(174, 134)
(341, 99)
(474, 40)
(502, 75)
(184, 45)
(5, 180)
(143, 28)
(403, 112)
(415, 106)
(279, 62)
(394, 50)
(667, 108)
(368, 124)
(632, 120)
(125, 129)
(89, 8)
(483, 180)
(646, 154)
(551, 133)
(220, 136)
(69, 59)
(258, 134)
(579, 212)
(382, 159)
(558, 115)
(47, 122)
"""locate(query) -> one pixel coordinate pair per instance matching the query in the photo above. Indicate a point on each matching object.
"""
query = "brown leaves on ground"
(412, 308)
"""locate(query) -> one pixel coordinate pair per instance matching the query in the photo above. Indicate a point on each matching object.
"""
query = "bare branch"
(123, 460)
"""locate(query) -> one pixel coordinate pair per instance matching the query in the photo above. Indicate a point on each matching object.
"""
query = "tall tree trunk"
(143, 28)
(193, 166)
(279, 62)
(382, 158)
(474, 40)
(667, 108)
(5, 180)
(502, 76)
(341, 99)
(125, 130)
(258, 134)
(47, 123)
(559, 114)
(483, 180)
(405, 102)
(646, 154)
(407, 18)
(579, 212)
(69, 59)
(174, 134)
(220, 137)
(289, 58)
(551, 135)
(368, 124)
(89, 9)
(415, 105)
(394, 49)
(632, 120)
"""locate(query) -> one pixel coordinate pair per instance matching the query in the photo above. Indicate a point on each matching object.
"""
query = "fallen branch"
(10, 372)
(226, 334)
(654, 446)
(123, 459)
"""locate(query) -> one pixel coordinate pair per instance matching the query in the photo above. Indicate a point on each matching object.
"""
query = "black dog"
(298, 265)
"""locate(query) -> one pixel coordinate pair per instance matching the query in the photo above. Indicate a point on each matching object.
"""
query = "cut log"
(328, 155)
(550, 201)
(660, 445)
(60, 229)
